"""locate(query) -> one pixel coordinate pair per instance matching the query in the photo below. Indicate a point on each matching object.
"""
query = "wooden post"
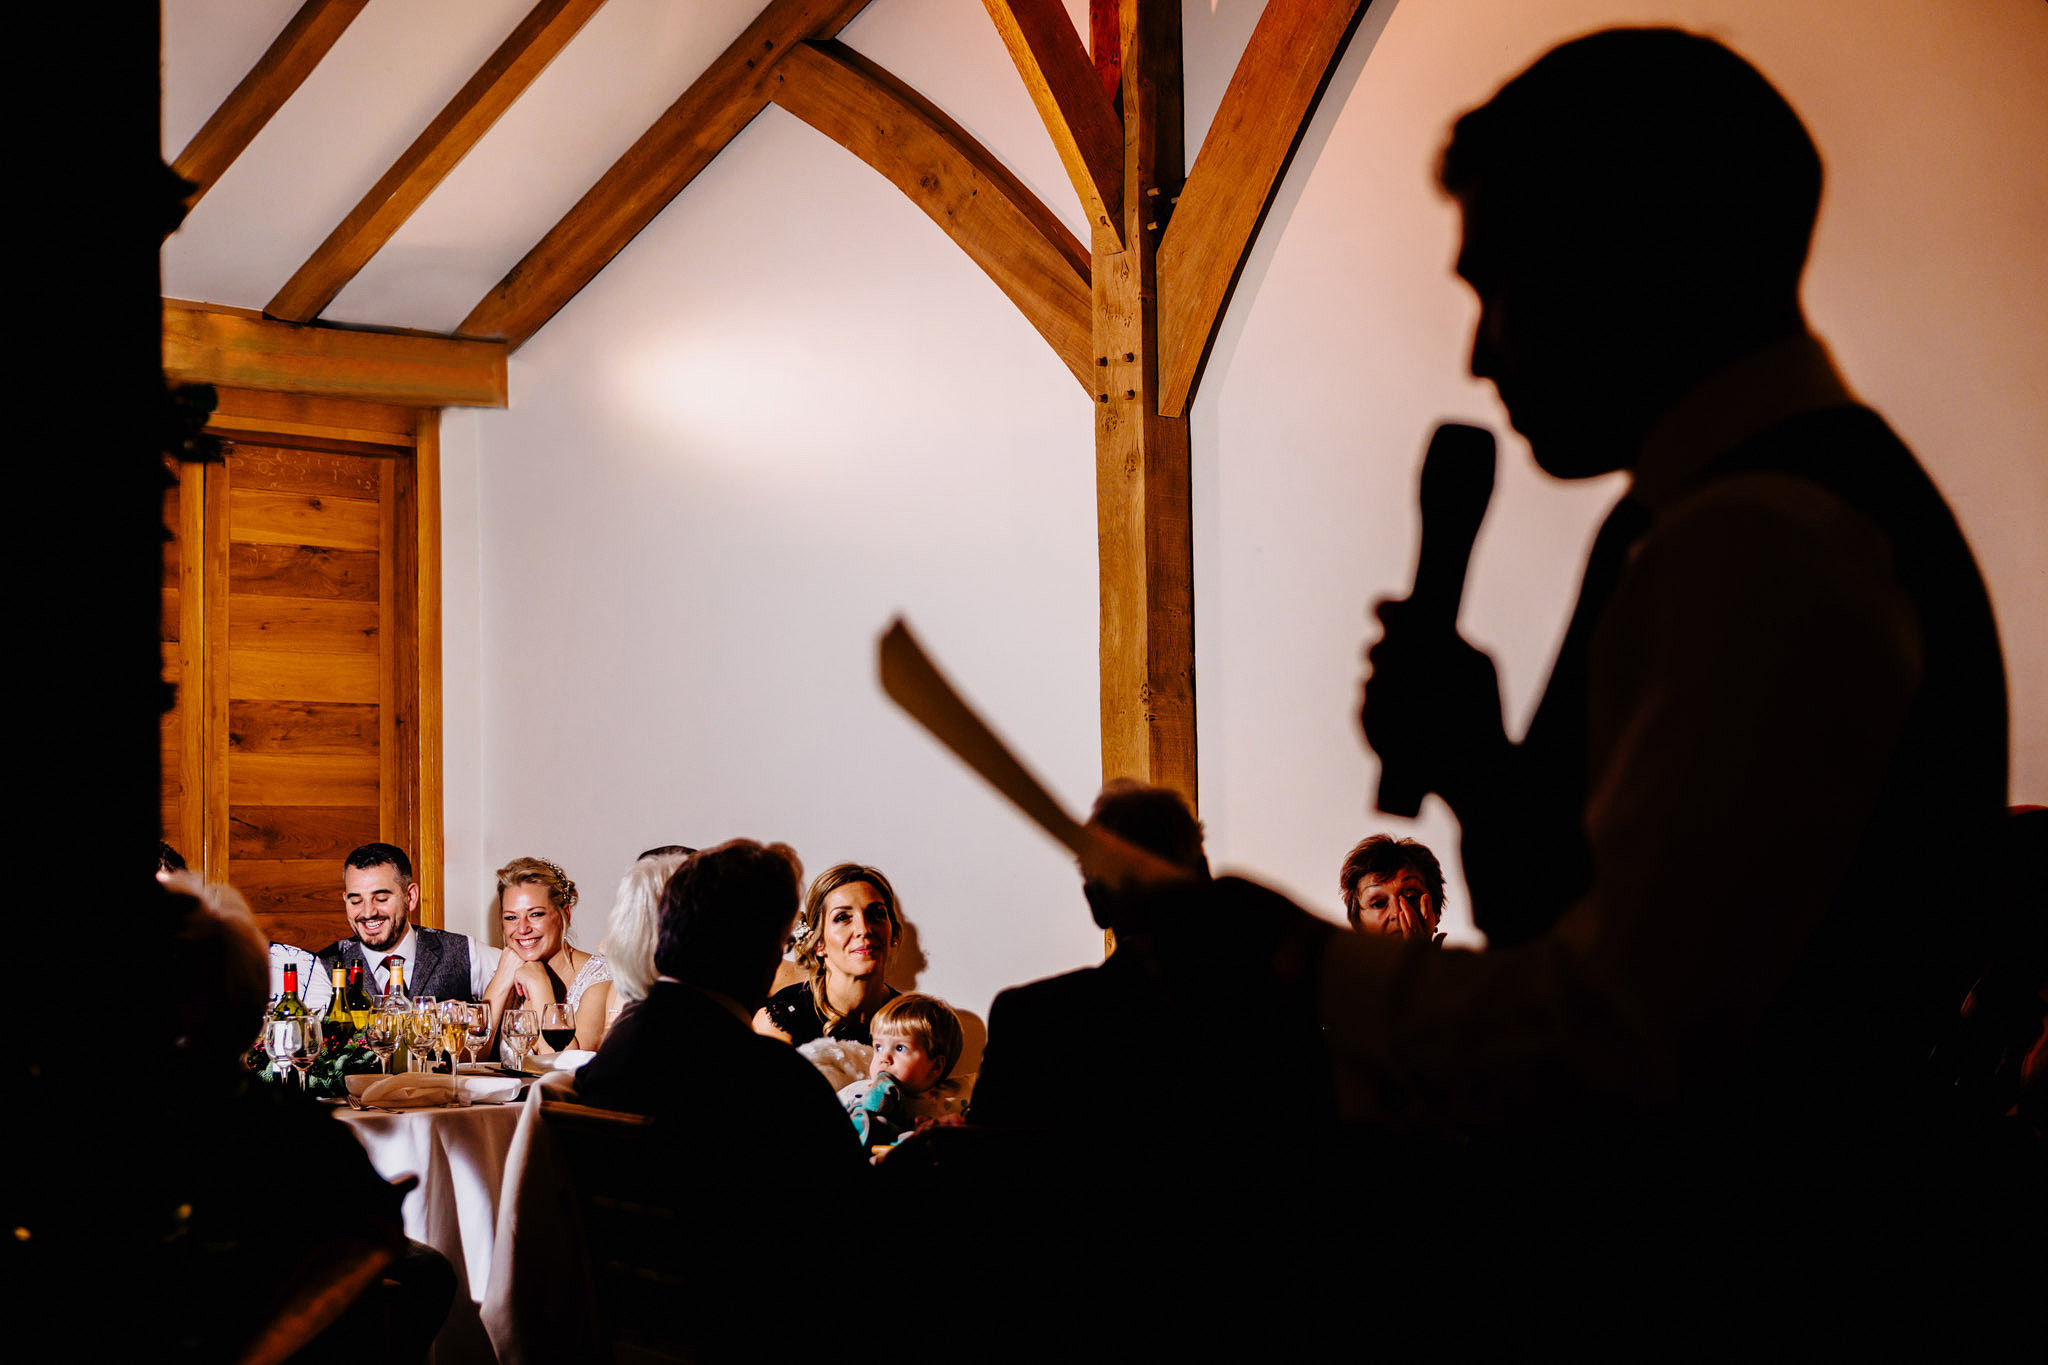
(1143, 522)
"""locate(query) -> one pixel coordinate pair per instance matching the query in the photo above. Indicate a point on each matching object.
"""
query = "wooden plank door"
(303, 688)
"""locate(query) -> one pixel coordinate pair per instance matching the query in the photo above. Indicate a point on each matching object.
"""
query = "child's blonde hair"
(926, 1021)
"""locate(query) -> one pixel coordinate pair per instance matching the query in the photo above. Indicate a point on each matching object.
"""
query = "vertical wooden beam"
(212, 856)
(1143, 522)
(194, 557)
(430, 855)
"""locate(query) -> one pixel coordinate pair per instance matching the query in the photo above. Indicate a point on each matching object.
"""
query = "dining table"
(469, 1167)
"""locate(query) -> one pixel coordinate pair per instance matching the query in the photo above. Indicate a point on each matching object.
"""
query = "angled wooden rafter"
(524, 54)
(654, 170)
(209, 345)
(1257, 127)
(1002, 226)
(1063, 84)
(290, 58)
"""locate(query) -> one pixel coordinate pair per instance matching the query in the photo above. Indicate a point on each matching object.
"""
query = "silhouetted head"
(1393, 887)
(724, 917)
(1155, 819)
(1638, 206)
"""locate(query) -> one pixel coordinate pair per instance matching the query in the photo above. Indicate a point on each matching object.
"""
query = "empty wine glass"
(296, 1040)
(380, 1035)
(284, 1037)
(522, 1026)
(479, 1031)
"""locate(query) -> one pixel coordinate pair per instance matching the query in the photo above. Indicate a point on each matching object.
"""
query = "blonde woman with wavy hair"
(534, 904)
(851, 923)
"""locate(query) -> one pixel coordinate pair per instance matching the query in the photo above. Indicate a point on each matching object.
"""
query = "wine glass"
(298, 1041)
(522, 1027)
(454, 1020)
(420, 1029)
(285, 1037)
(557, 1026)
(380, 1035)
(479, 1030)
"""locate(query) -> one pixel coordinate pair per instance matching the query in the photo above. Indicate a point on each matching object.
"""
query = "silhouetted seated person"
(1115, 1006)
(748, 1110)
(238, 1261)
(1393, 888)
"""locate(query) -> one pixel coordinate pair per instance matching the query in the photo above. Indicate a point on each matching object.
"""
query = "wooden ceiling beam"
(654, 170)
(282, 68)
(1259, 124)
(1063, 84)
(542, 34)
(1002, 226)
(232, 346)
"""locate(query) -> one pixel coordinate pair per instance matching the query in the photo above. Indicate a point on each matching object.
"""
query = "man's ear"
(412, 900)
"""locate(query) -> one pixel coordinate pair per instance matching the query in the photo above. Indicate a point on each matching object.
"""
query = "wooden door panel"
(302, 780)
(259, 517)
(264, 727)
(274, 675)
(301, 624)
(315, 473)
(304, 571)
(326, 833)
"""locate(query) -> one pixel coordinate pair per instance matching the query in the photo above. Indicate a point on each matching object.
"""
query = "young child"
(917, 1042)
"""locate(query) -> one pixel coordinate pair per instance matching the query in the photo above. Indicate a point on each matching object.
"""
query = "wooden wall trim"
(281, 69)
(654, 170)
(1018, 242)
(213, 737)
(1268, 103)
(430, 858)
(208, 345)
(193, 562)
(1050, 56)
(524, 54)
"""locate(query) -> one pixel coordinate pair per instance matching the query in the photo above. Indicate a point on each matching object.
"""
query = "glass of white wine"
(522, 1026)
(422, 1032)
(380, 1035)
(454, 1017)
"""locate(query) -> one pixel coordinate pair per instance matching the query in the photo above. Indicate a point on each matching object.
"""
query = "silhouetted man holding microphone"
(1781, 677)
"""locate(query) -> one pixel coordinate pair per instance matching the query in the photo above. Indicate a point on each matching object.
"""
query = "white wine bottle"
(339, 1023)
(399, 1003)
(358, 999)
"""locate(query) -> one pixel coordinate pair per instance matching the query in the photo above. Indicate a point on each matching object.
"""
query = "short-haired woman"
(851, 923)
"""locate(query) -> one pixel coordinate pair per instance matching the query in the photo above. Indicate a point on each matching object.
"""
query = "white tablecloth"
(459, 1157)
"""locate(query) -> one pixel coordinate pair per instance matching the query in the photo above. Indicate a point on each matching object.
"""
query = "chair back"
(637, 1249)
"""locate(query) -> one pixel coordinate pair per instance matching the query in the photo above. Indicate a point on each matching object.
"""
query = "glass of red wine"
(557, 1026)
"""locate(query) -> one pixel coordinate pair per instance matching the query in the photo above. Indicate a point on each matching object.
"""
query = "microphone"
(1457, 483)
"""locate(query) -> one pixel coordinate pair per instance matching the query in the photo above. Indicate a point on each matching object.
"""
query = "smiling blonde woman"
(535, 901)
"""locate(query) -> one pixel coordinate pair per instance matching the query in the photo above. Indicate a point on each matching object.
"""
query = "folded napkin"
(414, 1091)
(557, 1061)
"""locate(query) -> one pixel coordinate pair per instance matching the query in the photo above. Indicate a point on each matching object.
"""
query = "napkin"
(557, 1061)
(413, 1091)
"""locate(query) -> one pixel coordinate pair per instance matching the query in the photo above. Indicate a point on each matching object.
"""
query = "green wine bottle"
(288, 1005)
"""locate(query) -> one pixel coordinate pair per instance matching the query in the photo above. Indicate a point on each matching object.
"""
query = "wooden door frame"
(409, 615)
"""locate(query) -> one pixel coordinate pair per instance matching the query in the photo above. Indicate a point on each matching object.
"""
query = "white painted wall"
(790, 409)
